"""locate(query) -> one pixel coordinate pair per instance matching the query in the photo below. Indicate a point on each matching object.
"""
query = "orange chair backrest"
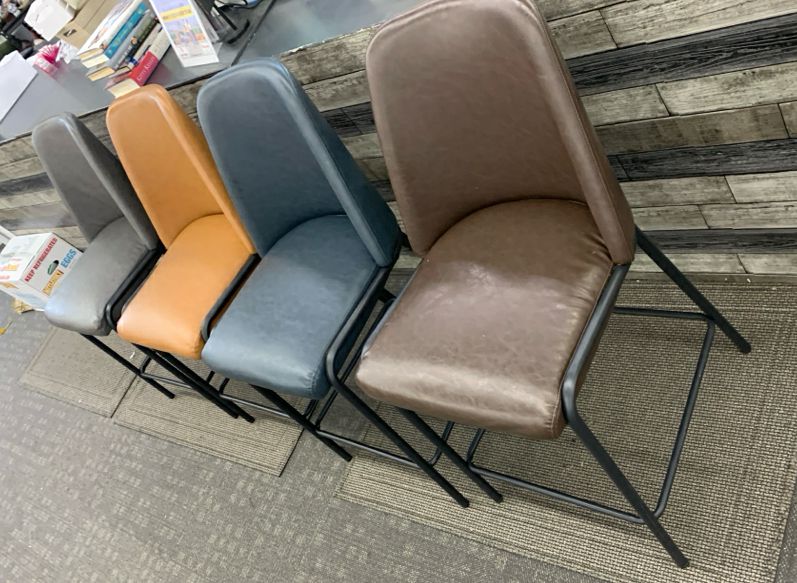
(168, 162)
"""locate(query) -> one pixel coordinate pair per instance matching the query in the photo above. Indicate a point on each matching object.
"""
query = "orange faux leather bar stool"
(525, 236)
(207, 249)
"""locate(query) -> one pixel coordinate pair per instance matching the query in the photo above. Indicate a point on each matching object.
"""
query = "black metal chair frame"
(184, 376)
(337, 376)
(577, 365)
(232, 405)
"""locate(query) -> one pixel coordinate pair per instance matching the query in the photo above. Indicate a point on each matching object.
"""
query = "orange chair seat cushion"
(168, 310)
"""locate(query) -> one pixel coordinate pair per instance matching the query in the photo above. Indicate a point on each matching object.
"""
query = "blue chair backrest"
(282, 163)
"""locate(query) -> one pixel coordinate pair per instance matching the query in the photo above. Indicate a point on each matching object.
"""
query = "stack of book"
(125, 48)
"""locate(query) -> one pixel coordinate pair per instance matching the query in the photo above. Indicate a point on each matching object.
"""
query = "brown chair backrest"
(168, 162)
(475, 107)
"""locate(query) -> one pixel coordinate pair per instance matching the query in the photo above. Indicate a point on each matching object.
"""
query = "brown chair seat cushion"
(485, 329)
(168, 310)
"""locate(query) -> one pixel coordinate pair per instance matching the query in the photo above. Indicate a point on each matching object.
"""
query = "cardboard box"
(31, 266)
(75, 4)
(79, 29)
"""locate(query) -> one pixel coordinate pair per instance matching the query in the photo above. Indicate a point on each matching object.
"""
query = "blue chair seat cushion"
(79, 301)
(277, 330)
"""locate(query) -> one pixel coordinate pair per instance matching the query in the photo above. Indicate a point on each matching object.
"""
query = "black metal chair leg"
(197, 381)
(128, 365)
(690, 290)
(451, 454)
(626, 489)
(400, 442)
(300, 419)
(155, 356)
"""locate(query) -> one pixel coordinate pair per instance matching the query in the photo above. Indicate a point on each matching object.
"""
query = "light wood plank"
(677, 191)
(393, 206)
(624, 105)
(29, 198)
(582, 34)
(339, 92)
(770, 187)
(789, 111)
(15, 150)
(331, 58)
(768, 215)
(692, 263)
(669, 218)
(770, 263)
(373, 168)
(21, 168)
(553, 9)
(704, 129)
(640, 21)
(364, 146)
(772, 84)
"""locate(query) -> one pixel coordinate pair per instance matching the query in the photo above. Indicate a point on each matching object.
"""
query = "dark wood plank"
(755, 44)
(727, 240)
(363, 117)
(617, 167)
(26, 184)
(747, 158)
(341, 123)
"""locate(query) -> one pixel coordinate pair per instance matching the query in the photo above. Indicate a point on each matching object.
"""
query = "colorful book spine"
(122, 34)
(127, 48)
(143, 47)
(142, 72)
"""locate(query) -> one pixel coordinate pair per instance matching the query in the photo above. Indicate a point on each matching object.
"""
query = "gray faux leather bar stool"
(122, 247)
(524, 232)
(327, 242)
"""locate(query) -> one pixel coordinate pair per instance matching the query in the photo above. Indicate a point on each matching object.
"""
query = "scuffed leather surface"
(277, 331)
(475, 107)
(168, 310)
(484, 331)
(281, 161)
(88, 178)
(168, 163)
(79, 301)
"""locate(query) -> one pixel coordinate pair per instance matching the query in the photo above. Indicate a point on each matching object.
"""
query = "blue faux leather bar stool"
(327, 242)
(122, 247)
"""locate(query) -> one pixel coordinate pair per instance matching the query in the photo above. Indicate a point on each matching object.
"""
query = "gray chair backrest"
(282, 163)
(89, 178)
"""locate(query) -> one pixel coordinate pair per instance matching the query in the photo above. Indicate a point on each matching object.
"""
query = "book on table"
(107, 29)
(123, 56)
(139, 75)
(118, 39)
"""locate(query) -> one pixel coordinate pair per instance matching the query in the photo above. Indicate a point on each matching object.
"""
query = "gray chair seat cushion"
(79, 301)
(277, 330)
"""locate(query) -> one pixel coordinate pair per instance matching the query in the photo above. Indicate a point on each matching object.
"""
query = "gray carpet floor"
(82, 499)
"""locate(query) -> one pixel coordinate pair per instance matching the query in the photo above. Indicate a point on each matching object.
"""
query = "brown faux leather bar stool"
(207, 249)
(523, 229)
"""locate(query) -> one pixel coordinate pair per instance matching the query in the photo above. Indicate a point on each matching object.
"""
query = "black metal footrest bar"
(144, 373)
(308, 410)
(433, 459)
(680, 438)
